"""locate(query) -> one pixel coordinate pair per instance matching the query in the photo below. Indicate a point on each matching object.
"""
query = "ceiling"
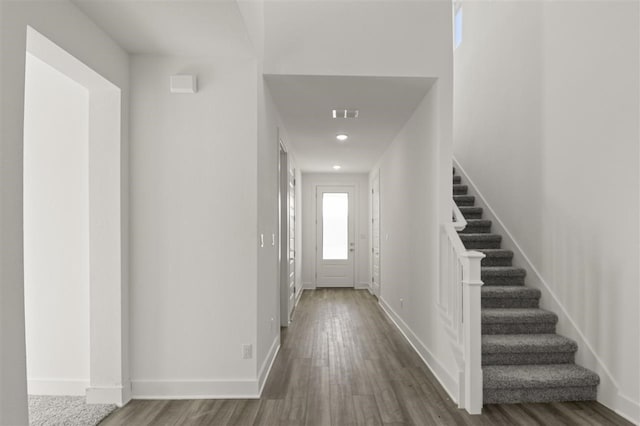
(200, 28)
(206, 28)
(305, 103)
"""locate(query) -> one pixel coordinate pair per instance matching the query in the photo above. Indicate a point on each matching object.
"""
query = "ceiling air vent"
(345, 113)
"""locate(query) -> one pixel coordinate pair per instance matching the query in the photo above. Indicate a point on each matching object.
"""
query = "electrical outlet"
(247, 351)
(402, 303)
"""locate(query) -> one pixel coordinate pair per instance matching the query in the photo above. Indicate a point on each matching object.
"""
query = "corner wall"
(56, 231)
(547, 126)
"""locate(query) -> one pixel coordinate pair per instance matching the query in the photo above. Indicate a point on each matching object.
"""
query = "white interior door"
(375, 235)
(335, 236)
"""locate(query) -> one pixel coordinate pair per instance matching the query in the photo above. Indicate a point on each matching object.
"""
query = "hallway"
(342, 362)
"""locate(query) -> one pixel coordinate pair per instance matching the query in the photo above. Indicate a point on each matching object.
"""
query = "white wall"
(193, 228)
(68, 27)
(56, 231)
(309, 183)
(409, 229)
(547, 94)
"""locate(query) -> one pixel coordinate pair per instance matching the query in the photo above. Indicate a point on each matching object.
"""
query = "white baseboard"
(118, 395)
(363, 286)
(195, 389)
(57, 387)
(299, 295)
(208, 389)
(308, 286)
(445, 379)
(265, 369)
(608, 391)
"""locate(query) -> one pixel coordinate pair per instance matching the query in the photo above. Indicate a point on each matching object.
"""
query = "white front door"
(375, 235)
(335, 236)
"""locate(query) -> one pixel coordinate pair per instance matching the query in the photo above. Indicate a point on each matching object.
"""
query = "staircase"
(523, 360)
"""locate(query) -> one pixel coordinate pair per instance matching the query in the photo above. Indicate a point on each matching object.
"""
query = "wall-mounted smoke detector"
(345, 113)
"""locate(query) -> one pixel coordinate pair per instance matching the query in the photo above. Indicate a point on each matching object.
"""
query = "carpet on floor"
(65, 411)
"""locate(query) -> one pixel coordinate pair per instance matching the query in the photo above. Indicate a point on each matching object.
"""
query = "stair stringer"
(609, 390)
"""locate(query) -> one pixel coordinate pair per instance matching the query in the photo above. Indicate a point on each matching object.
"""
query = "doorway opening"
(75, 329)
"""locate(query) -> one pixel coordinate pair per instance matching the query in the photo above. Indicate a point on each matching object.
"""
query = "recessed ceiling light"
(342, 137)
(336, 167)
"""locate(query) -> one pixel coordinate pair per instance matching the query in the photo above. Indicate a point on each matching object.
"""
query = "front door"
(335, 236)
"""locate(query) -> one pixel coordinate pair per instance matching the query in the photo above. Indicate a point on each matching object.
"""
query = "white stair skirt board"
(57, 387)
(446, 380)
(608, 390)
(118, 395)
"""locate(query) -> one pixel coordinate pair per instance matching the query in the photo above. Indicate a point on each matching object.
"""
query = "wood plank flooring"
(342, 362)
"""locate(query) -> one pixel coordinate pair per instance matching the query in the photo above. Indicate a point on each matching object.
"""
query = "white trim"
(57, 387)
(308, 286)
(299, 295)
(446, 380)
(268, 363)
(195, 389)
(363, 286)
(608, 391)
(119, 395)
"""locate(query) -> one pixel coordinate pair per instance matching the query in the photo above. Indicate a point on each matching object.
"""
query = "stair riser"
(498, 280)
(528, 358)
(456, 180)
(509, 303)
(515, 396)
(482, 244)
(460, 190)
(519, 328)
(471, 213)
(464, 201)
(497, 261)
(476, 229)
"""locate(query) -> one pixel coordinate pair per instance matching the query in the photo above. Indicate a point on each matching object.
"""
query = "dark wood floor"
(342, 362)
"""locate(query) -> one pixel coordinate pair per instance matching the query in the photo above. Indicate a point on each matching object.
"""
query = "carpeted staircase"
(523, 360)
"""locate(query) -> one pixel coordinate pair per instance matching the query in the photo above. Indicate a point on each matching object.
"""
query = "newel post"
(471, 285)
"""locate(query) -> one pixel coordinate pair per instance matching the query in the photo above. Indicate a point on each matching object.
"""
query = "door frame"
(283, 228)
(353, 213)
(376, 290)
(108, 285)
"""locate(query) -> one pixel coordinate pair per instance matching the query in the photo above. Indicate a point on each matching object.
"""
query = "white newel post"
(471, 286)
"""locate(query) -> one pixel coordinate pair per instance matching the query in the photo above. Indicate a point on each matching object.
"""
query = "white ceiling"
(305, 104)
(178, 27)
(202, 28)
